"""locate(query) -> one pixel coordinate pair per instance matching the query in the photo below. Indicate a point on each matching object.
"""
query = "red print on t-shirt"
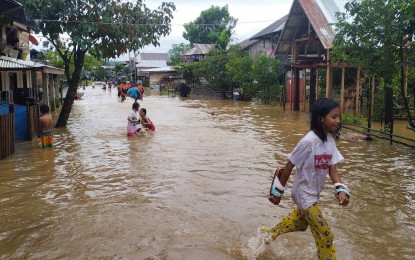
(322, 161)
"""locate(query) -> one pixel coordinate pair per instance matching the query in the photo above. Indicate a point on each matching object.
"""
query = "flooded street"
(196, 189)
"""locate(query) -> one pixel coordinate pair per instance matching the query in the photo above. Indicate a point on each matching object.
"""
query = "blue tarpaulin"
(20, 120)
(4, 108)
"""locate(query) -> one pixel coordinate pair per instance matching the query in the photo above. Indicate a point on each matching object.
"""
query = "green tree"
(119, 69)
(264, 70)
(90, 63)
(239, 68)
(213, 70)
(176, 52)
(377, 35)
(51, 56)
(100, 73)
(106, 29)
(190, 72)
(209, 26)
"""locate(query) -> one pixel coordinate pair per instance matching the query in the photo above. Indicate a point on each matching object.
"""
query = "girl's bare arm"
(335, 178)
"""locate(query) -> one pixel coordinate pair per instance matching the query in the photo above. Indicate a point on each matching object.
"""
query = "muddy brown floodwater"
(196, 189)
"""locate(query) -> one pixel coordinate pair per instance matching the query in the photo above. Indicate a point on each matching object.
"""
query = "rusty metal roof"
(319, 14)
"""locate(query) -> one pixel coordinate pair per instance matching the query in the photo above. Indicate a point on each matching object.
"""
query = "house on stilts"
(307, 39)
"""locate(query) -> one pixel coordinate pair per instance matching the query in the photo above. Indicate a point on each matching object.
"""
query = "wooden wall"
(7, 135)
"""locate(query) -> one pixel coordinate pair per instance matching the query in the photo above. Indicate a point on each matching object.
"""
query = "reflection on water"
(196, 189)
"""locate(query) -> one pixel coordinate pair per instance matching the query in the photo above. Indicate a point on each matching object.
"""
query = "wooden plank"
(7, 135)
(2, 136)
(13, 134)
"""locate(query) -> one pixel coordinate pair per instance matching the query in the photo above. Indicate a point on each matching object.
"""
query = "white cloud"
(252, 16)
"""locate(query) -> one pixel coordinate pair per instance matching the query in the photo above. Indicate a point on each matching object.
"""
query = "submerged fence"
(17, 123)
(392, 138)
(7, 135)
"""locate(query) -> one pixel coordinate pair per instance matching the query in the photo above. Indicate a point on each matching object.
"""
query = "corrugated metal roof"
(154, 56)
(7, 63)
(151, 64)
(246, 43)
(318, 20)
(322, 17)
(199, 49)
(273, 28)
(163, 69)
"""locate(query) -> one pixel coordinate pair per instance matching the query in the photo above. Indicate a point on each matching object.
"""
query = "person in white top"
(133, 125)
(314, 157)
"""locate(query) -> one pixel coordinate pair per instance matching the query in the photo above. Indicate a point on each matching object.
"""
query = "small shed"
(146, 61)
(158, 75)
(198, 52)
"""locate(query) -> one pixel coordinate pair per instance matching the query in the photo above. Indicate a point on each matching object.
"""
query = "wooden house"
(24, 84)
(265, 41)
(307, 38)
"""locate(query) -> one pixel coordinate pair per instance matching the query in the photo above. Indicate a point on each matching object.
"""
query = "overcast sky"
(252, 15)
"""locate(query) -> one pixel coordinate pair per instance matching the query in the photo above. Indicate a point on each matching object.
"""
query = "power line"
(145, 24)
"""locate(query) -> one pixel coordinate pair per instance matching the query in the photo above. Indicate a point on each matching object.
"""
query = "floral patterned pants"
(299, 220)
(46, 139)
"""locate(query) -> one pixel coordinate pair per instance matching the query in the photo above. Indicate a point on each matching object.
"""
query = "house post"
(342, 90)
(304, 88)
(296, 89)
(329, 77)
(317, 83)
(358, 91)
(56, 89)
(45, 88)
(372, 96)
(313, 81)
(52, 93)
(292, 83)
(388, 92)
(34, 85)
(6, 93)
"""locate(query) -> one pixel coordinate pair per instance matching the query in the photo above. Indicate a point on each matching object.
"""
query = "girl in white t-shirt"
(133, 120)
(314, 157)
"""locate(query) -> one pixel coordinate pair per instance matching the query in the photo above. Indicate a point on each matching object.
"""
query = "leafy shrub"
(354, 120)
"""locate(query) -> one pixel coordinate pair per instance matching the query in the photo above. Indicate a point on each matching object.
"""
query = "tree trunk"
(388, 92)
(403, 90)
(73, 82)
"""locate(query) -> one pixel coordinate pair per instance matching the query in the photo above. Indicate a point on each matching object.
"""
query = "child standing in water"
(133, 120)
(314, 157)
(45, 127)
(146, 122)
